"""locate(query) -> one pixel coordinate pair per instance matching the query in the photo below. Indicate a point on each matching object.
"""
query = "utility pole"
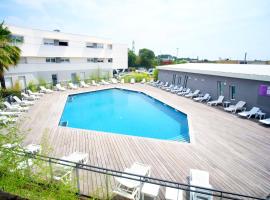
(245, 61)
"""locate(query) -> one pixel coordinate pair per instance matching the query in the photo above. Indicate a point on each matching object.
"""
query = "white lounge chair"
(131, 188)
(265, 121)
(143, 81)
(199, 178)
(250, 113)
(94, 83)
(15, 107)
(104, 82)
(122, 81)
(72, 86)
(193, 94)
(162, 85)
(173, 194)
(187, 91)
(59, 87)
(132, 80)
(35, 93)
(64, 173)
(6, 120)
(29, 97)
(154, 83)
(177, 90)
(23, 102)
(114, 81)
(83, 84)
(236, 107)
(159, 84)
(172, 88)
(45, 90)
(32, 148)
(10, 114)
(206, 98)
(168, 87)
(216, 102)
(76, 157)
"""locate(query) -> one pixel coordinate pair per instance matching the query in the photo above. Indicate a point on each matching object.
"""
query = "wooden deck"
(235, 151)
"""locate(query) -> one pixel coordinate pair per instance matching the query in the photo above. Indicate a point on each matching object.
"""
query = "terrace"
(234, 151)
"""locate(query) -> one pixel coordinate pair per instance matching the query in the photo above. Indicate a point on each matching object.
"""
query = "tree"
(147, 58)
(9, 54)
(131, 59)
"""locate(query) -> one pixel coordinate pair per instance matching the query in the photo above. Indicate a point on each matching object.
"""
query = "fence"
(99, 182)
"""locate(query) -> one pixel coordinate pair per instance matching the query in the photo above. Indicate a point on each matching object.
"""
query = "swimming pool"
(125, 112)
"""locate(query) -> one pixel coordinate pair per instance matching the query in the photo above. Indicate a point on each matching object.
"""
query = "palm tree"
(9, 54)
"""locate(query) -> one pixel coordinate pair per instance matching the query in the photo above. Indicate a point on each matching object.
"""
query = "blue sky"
(206, 28)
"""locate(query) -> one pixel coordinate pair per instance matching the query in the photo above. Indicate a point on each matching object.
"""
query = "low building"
(55, 56)
(250, 83)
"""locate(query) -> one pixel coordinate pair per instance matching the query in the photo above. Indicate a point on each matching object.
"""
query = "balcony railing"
(99, 182)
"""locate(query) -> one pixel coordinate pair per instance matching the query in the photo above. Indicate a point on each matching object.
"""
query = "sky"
(209, 29)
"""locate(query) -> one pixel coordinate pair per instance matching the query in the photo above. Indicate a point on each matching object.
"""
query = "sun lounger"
(163, 85)
(104, 82)
(216, 102)
(159, 84)
(59, 87)
(10, 114)
(236, 107)
(132, 80)
(131, 188)
(154, 83)
(32, 148)
(72, 86)
(143, 81)
(94, 83)
(29, 97)
(193, 94)
(206, 98)
(6, 120)
(172, 88)
(45, 90)
(168, 87)
(250, 113)
(187, 91)
(265, 121)
(177, 90)
(23, 102)
(173, 194)
(122, 81)
(15, 107)
(201, 179)
(114, 81)
(83, 84)
(35, 93)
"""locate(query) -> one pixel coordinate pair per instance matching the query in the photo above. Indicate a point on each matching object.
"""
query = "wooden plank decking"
(235, 151)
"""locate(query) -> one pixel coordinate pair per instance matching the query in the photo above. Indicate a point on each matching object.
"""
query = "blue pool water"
(125, 112)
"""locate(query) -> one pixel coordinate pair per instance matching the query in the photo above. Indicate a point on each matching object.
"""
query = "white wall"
(120, 56)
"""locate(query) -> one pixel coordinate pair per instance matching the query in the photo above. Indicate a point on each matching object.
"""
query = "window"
(57, 60)
(23, 60)
(179, 80)
(92, 60)
(220, 88)
(8, 81)
(174, 77)
(109, 46)
(232, 92)
(54, 42)
(185, 81)
(110, 60)
(16, 39)
(94, 45)
(100, 60)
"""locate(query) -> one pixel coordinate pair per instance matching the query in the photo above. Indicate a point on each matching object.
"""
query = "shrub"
(137, 76)
(17, 86)
(155, 74)
(12, 91)
(32, 86)
(42, 82)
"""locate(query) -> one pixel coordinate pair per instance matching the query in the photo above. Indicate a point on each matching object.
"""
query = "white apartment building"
(56, 56)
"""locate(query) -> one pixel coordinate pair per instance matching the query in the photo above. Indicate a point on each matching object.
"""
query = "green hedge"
(137, 76)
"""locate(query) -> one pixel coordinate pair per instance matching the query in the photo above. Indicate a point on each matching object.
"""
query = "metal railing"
(108, 184)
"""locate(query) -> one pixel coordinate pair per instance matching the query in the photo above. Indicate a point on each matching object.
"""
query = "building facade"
(249, 83)
(55, 56)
